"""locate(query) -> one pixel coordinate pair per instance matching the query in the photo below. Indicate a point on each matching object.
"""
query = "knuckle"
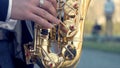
(49, 5)
(52, 1)
(29, 16)
(44, 13)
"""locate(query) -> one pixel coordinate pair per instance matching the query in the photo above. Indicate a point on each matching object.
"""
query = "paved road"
(97, 59)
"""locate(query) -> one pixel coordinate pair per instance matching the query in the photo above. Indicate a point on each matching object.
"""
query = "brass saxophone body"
(60, 47)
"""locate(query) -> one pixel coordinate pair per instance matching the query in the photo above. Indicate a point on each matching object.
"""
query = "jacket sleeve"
(3, 9)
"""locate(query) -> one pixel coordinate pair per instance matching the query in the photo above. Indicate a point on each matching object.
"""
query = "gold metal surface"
(61, 47)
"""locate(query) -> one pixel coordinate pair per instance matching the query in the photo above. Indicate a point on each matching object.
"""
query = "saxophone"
(60, 47)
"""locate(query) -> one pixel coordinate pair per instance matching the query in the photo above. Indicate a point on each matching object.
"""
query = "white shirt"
(9, 24)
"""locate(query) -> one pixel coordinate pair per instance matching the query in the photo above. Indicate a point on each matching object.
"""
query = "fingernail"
(51, 26)
(58, 21)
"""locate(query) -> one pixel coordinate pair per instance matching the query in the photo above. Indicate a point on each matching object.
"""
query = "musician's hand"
(43, 14)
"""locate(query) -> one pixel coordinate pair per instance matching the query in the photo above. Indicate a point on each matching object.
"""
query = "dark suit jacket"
(26, 37)
(3, 9)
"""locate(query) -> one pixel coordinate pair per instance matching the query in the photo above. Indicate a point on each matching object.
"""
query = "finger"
(39, 20)
(49, 7)
(64, 28)
(44, 14)
(54, 2)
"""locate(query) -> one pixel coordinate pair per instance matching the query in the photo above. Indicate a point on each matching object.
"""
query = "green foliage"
(103, 46)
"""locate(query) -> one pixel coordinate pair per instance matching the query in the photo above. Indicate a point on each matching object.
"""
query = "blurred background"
(101, 47)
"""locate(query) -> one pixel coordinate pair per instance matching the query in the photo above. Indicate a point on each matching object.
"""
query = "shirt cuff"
(9, 10)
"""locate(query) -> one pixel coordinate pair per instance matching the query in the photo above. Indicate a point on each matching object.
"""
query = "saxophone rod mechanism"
(64, 28)
(82, 10)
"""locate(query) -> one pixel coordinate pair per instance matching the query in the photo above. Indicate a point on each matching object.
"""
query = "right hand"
(45, 15)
